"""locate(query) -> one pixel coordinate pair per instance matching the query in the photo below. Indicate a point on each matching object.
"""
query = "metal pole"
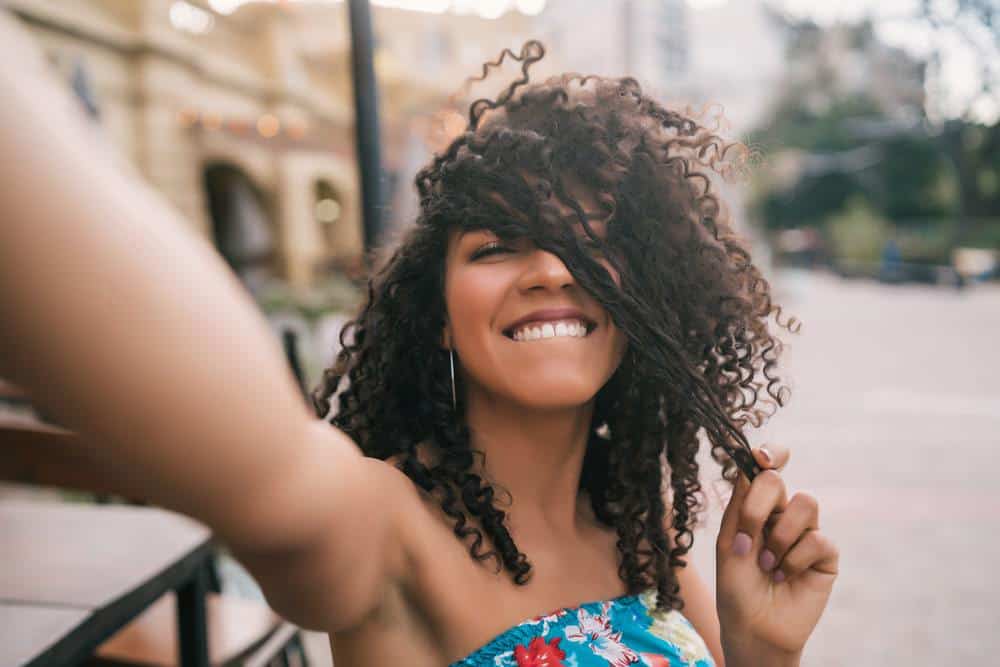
(366, 118)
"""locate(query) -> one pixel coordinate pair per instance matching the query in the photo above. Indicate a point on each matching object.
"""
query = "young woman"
(508, 475)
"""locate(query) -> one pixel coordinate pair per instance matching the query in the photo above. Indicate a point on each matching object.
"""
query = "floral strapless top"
(619, 632)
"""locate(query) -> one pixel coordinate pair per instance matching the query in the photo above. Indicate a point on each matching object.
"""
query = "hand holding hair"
(775, 570)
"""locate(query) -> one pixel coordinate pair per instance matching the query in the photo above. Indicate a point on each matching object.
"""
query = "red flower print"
(654, 660)
(539, 654)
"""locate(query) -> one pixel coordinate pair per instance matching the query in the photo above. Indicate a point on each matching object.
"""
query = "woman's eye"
(491, 248)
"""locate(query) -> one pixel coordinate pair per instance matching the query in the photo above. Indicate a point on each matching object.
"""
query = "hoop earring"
(451, 359)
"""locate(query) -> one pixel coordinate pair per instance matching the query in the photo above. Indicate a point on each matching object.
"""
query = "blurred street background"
(872, 202)
(893, 426)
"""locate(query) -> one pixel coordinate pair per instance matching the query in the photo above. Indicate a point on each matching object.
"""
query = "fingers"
(768, 457)
(781, 535)
(814, 554)
(772, 456)
(788, 528)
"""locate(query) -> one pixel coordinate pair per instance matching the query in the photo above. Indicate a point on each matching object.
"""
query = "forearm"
(124, 326)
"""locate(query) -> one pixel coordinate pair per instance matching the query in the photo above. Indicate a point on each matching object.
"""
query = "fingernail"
(766, 454)
(767, 560)
(741, 544)
(779, 576)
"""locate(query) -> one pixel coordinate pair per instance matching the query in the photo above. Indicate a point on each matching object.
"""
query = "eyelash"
(496, 247)
(491, 248)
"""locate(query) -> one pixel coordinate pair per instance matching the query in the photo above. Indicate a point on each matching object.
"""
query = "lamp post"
(366, 119)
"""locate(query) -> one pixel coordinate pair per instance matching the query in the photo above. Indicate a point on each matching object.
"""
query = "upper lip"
(550, 315)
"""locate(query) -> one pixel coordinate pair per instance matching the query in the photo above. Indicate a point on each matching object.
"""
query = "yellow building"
(231, 126)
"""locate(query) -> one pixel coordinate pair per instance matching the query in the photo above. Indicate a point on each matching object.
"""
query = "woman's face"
(522, 329)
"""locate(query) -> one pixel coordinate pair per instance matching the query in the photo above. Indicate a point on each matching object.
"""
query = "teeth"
(562, 329)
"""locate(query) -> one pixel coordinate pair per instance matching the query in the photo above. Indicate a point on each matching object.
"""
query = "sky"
(959, 78)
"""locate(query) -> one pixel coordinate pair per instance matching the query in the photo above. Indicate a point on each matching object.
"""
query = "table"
(72, 574)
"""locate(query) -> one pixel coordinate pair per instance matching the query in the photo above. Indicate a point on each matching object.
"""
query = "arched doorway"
(241, 227)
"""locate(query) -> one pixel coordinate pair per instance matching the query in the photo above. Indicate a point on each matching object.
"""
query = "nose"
(545, 270)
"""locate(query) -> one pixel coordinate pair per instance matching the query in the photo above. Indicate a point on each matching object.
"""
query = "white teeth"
(561, 329)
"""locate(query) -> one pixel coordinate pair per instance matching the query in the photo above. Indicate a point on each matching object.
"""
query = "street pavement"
(893, 426)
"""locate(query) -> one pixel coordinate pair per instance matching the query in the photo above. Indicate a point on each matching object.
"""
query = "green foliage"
(982, 233)
(809, 202)
(794, 125)
(927, 244)
(913, 180)
(910, 179)
(858, 233)
(840, 163)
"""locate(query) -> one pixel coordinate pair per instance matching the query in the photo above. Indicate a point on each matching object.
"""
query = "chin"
(554, 393)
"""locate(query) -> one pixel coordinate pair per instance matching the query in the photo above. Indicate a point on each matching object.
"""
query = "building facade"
(229, 125)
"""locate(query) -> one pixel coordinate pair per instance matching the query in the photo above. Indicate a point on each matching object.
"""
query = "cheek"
(472, 298)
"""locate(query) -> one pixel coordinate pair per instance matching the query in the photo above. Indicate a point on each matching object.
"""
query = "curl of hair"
(701, 357)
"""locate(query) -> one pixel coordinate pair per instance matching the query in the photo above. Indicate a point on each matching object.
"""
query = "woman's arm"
(129, 329)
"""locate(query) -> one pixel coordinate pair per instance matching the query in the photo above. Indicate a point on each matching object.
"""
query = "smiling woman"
(573, 201)
(530, 374)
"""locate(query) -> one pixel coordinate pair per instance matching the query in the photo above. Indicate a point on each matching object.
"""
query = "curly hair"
(694, 309)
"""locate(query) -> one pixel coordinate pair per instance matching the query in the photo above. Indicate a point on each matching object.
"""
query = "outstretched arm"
(130, 330)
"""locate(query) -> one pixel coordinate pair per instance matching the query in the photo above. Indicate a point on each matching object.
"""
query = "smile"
(571, 328)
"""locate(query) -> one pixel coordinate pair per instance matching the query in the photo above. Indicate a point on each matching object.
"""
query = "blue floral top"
(619, 632)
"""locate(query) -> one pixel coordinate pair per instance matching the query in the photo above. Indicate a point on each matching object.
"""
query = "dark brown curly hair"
(694, 309)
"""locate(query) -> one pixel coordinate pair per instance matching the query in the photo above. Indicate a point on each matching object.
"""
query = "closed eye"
(491, 248)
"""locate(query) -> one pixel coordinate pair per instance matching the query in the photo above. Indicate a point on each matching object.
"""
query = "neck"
(537, 456)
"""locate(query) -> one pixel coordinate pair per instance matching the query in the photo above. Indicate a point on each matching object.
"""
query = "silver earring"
(451, 358)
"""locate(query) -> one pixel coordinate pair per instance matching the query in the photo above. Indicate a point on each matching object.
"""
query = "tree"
(976, 23)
